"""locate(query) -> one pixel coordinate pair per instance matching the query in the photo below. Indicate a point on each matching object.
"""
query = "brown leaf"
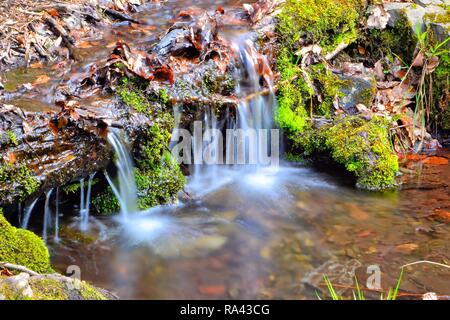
(442, 215)
(213, 290)
(36, 65)
(419, 60)
(361, 50)
(435, 160)
(41, 80)
(53, 12)
(432, 64)
(74, 115)
(379, 71)
(407, 247)
(5, 272)
(11, 157)
(53, 127)
(164, 73)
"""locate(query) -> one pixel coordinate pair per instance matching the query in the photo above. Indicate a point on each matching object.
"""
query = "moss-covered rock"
(364, 148)
(158, 176)
(324, 22)
(361, 146)
(13, 178)
(23, 247)
(49, 287)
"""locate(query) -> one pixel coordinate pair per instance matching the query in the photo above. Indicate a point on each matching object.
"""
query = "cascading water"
(56, 237)
(28, 211)
(250, 137)
(85, 202)
(47, 215)
(127, 191)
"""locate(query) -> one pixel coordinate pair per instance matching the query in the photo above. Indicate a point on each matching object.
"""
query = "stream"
(241, 233)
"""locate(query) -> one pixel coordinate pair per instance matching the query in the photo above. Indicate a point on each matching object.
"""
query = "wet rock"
(339, 273)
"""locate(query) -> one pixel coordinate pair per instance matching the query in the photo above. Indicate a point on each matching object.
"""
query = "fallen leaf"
(5, 272)
(435, 160)
(418, 60)
(53, 12)
(36, 65)
(364, 234)
(406, 248)
(432, 64)
(42, 79)
(361, 50)
(442, 215)
(213, 290)
(379, 71)
(12, 158)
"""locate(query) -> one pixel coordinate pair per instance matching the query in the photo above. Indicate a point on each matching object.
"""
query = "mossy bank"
(308, 95)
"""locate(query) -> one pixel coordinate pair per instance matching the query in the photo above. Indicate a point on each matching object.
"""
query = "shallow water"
(268, 235)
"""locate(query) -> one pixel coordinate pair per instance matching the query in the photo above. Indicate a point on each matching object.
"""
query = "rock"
(18, 285)
(357, 89)
(441, 31)
(415, 14)
(424, 3)
(339, 273)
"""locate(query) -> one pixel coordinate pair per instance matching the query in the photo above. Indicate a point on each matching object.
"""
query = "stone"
(358, 89)
(414, 13)
(424, 3)
(441, 31)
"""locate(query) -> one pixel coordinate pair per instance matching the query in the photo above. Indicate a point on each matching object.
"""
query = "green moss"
(88, 292)
(9, 138)
(23, 247)
(440, 111)
(134, 99)
(397, 41)
(106, 202)
(48, 289)
(216, 82)
(158, 176)
(13, 178)
(330, 86)
(364, 148)
(438, 17)
(324, 22)
(291, 114)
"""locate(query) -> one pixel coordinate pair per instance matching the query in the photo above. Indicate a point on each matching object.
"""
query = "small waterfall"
(27, 214)
(248, 134)
(47, 214)
(85, 202)
(127, 191)
(56, 237)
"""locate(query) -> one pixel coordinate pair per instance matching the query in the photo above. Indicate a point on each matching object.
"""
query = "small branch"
(18, 268)
(119, 15)
(426, 261)
(341, 46)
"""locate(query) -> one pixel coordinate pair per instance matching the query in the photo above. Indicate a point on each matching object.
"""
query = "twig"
(426, 261)
(18, 268)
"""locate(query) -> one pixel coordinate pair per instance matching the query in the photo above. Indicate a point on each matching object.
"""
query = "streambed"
(262, 235)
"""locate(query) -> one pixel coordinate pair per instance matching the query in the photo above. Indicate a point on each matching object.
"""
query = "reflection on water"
(264, 236)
